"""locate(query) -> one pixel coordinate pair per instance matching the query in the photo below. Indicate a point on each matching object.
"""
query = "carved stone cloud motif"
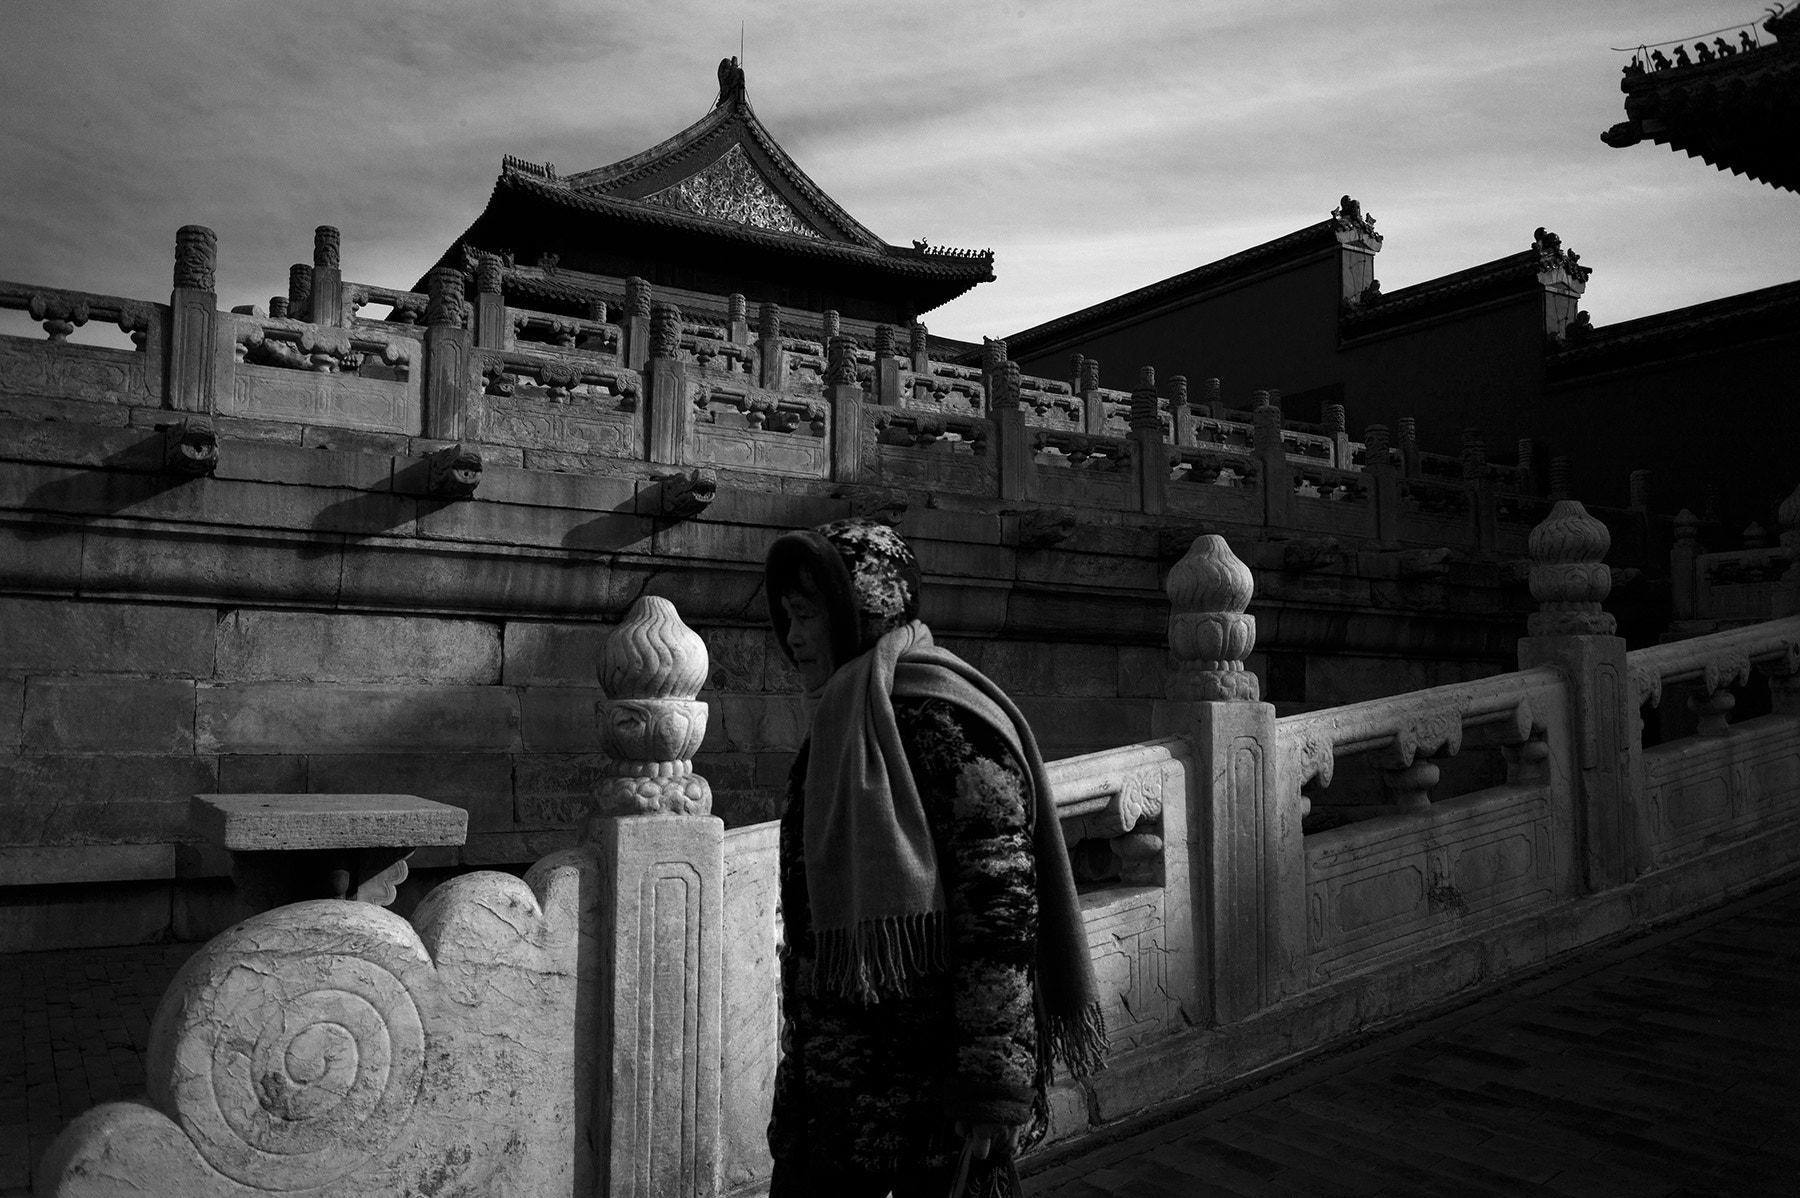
(730, 188)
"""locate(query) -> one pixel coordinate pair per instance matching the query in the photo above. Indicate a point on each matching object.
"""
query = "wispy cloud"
(1095, 147)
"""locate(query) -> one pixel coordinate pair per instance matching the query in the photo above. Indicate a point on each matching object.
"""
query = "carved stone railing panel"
(363, 378)
(1444, 501)
(1382, 890)
(941, 393)
(1709, 789)
(1308, 448)
(560, 402)
(54, 365)
(1123, 814)
(748, 428)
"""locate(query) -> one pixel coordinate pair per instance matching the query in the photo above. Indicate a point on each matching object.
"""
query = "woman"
(933, 956)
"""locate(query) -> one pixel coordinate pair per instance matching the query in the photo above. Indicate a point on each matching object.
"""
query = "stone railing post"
(447, 352)
(845, 395)
(993, 364)
(1378, 466)
(1181, 411)
(1015, 460)
(665, 427)
(634, 324)
(771, 359)
(918, 346)
(327, 278)
(193, 319)
(1093, 408)
(1409, 447)
(1212, 399)
(660, 912)
(1150, 452)
(737, 318)
(1787, 600)
(1569, 578)
(493, 330)
(1271, 454)
(1245, 894)
(887, 367)
(1337, 427)
(1683, 567)
(299, 296)
(1479, 479)
(1527, 460)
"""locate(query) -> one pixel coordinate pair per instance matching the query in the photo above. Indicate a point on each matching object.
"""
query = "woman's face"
(809, 636)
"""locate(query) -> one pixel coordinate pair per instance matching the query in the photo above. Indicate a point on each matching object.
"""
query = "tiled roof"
(1048, 335)
(1518, 273)
(1738, 112)
(1769, 311)
(899, 260)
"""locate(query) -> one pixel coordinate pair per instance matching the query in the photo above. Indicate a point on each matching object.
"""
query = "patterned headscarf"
(866, 576)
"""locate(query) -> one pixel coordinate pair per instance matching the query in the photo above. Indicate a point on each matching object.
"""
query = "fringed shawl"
(876, 898)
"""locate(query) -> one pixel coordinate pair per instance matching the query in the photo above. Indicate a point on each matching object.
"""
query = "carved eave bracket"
(1045, 528)
(1302, 554)
(190, 448)
(453, 472)
(683, 495)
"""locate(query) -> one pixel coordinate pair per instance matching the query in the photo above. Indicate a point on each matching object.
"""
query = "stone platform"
(1660, 1066)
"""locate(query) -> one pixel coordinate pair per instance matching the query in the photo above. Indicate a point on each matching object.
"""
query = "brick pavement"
(1664, 1066)
(73, 1030)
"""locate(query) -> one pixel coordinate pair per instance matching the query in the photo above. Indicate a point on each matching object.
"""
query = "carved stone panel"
(1379, 890)
(1706, 791)
(336, 400)
(72, 371)
(938, 469)
(1126, 939)
(1080, 487)
(750, 449)
(540, 424)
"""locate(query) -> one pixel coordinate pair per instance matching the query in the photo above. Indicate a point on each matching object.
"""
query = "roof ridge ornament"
(731, 82)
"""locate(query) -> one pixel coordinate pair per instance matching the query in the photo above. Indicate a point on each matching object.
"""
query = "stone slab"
(543, 653)
(346, 647)
(87, 637)
(12, 713)
(118, 715)
(269, 461)
(40, 554)
(41, 865)
(100, 798)
(315, 821)
(296, 717)
(141, 559)
(559, 718)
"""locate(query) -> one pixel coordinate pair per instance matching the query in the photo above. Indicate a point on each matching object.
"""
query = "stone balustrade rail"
(608, 1023)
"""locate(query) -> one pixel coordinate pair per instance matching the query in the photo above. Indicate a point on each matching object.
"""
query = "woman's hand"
(985, 1136)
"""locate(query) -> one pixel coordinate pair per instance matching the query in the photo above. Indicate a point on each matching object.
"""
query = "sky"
(1094, 146)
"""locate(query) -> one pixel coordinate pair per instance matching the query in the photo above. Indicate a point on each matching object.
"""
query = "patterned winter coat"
(880, 1087)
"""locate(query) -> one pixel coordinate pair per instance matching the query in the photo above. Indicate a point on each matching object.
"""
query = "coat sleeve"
(976, 797)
